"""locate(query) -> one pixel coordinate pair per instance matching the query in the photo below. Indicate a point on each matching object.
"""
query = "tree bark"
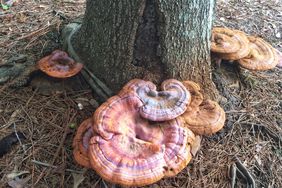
(148, 39)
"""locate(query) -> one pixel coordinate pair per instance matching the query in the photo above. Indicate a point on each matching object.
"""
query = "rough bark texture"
(149, 39)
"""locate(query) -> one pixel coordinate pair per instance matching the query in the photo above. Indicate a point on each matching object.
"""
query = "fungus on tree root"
(126, 147)
(196, 96)
(261, 57)
(59, 65)
(133, 151)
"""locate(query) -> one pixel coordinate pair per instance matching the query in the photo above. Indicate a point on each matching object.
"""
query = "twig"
(13, 119)
(33, 33)
(16, 133)
(244, 170)
(58, 149)
(266, 130)
(53, 166)
(98, 86)
(62, 140)
(233, 175)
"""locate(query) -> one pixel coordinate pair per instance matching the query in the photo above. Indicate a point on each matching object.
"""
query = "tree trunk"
(148, 39)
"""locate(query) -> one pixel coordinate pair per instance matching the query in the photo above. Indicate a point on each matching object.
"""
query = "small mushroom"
(261, 57)
(229, 44)
(59, 65)
(132, 151)
(159, 105)
(81, 142)
(206, 119)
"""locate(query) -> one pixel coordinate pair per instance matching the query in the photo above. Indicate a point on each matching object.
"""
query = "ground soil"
(252, 101)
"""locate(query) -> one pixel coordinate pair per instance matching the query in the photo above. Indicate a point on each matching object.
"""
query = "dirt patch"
(251, 100)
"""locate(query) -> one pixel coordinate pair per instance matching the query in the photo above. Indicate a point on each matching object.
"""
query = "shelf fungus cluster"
(142, 135)
(250, 52)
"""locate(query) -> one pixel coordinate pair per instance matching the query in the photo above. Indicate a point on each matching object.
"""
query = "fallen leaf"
(19, 182)
(196, 145)
(77, 179)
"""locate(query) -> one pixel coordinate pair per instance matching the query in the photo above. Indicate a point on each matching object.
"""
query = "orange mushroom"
(224, 40)
(261, 57)
(229, 44)
(132, 151)
(206, 119)
(59, 65)
(196, 96)
(81, 142)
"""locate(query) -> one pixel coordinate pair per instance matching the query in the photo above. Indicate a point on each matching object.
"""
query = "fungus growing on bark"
(206, 119)
(261, 57)
(59, 65)
(159, 105)
(132, 151)
(229, 44)
(196, 96)
(81, 142)
(134, 85)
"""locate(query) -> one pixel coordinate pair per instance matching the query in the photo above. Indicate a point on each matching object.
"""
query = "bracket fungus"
(81, 142)
(203, 117)
(160, 105)
(59, 65)
(196, 96)
(229, 44)
(224, 41)
(206, 119)
(126, 146)
(134, 85)
(132, 151)
(261, 57)
(250, 52)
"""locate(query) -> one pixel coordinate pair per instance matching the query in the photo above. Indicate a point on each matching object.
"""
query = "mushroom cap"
(242, 52)
(225, 40)
(81, 142)
(207, 119)
(196, 96)
(134, 84)
(59, 65)
(261, 57)
(229, 44)
(132, 151)
(159, 105)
